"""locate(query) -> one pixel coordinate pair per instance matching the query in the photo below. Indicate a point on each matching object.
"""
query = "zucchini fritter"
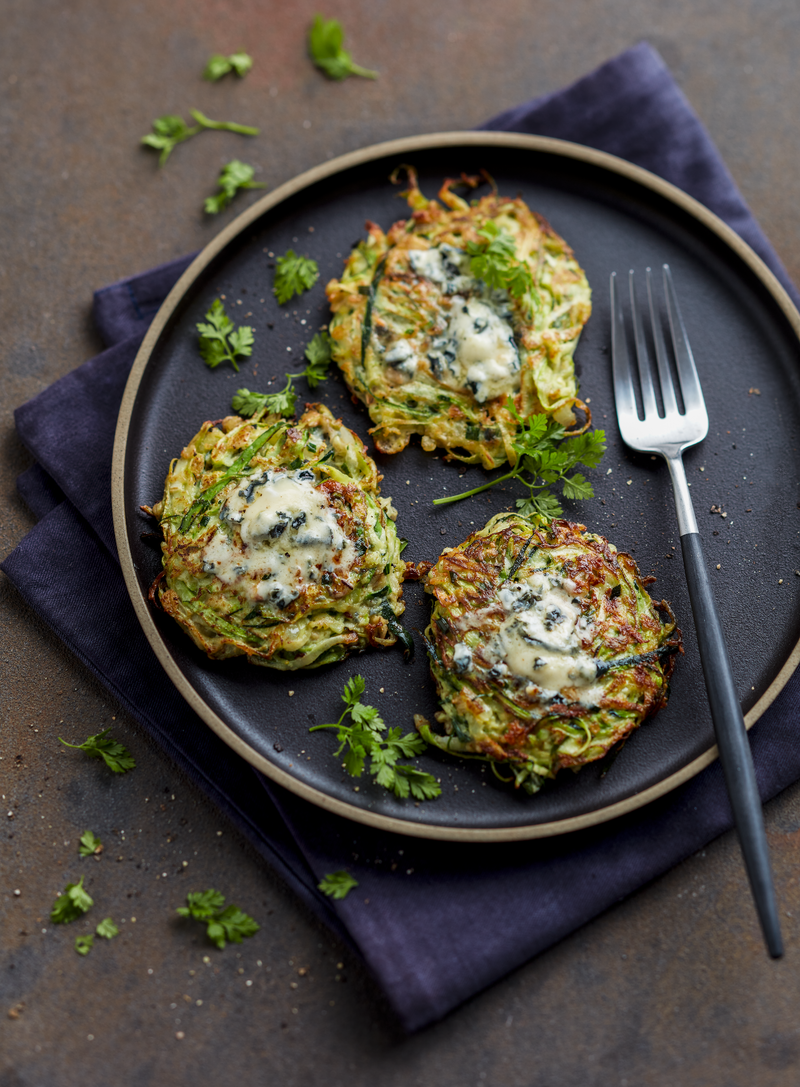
(277, 544)
(545, 646)
(431, 350)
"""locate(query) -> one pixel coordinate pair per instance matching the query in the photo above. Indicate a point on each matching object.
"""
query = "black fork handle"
(732, 741)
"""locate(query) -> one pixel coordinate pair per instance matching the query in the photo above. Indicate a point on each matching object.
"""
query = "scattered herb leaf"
(246, 403)
(222, 924)
(89, 845)
(363, 739)
(235, 175)
(84, 944)
(219, 65)
(494, 260)
(107, 929)
(71, 904)
(337, 884)
(293, 275)
(318, 354)
(326, 48)
(544, 459)
(170, 130)
(220, 341)
(102, 746)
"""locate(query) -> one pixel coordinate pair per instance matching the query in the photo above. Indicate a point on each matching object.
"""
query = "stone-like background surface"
(673, 986)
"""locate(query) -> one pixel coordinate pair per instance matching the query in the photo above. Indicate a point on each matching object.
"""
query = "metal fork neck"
(683, 499)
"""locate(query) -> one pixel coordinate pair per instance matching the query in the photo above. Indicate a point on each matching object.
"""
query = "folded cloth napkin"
(435, 922)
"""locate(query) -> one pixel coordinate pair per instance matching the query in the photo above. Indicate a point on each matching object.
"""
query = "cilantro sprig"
(318, 355)
(246, 403)
(170, 130)
(106, 929)
(494, 260)
(293, 275)
(84, 944)
(221, 341)
(89, 845)
(326, 49)
(219, 65)
(102, 746)
(367, 738)
(235, 175)
(223, 923)
(545, 457)
(337, 884)
(71, 904)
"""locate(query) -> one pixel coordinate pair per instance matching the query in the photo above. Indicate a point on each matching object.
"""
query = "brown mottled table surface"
(654, 991)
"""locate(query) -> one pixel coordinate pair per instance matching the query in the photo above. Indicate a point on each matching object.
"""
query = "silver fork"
(669, 435)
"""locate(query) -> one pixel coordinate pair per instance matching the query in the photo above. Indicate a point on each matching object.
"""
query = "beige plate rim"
(400, 147)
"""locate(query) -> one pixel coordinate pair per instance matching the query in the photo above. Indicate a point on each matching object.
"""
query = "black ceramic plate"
(743, 332)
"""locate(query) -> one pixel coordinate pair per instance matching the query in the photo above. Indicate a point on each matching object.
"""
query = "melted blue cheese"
(476, 351)
(289, 536)
(445, 265)
(539, 641)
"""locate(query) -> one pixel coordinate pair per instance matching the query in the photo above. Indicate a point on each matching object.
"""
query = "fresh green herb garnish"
(326, 48)
(363, 740)
(72, 904)
(337, 884)
(218, 65)
(494, 260)
(293, 275)
(234, 176)
(318, 353)
(222, 922)
(89, 845)
(101, 746)
(246, 403)
(84, 944)
(544, 457)
(219, 342)
(170, 130)
(107, 929)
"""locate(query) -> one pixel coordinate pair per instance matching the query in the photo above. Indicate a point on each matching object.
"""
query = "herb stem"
(475, 490)
(227, 126)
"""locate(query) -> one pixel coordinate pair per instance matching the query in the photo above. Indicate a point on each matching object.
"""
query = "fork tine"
(645, 374)
(664, 373)
(684, 360)
(621, 365)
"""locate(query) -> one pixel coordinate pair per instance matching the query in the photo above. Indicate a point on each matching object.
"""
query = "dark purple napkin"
(436, 922)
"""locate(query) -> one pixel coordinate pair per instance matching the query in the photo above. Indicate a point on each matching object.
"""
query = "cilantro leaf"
(326, 49)
(102, 746)
(318, 353)
(219, 65)
(170, 130)
(353, 690)
(364, 739)
(235, 175)
(220, 341)
(84, 944)
(107, 929)
(202, 904)
(223, 923)
(293, 275)
(337, 884)
(247, 404)
(232, 925)
(89, 845)
(545, 456)
(493, 260)
(71, 904)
